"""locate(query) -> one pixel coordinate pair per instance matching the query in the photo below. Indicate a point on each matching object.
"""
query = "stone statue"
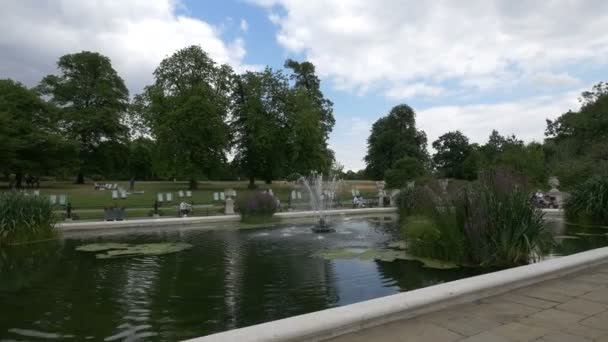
(381, 192)
(443, 183)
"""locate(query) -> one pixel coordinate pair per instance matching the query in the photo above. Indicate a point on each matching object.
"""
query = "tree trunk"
(18, 179)
(251, 182)
(192, 184)
(79, 178)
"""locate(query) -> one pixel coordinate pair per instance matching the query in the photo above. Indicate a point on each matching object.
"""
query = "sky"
(472, 65)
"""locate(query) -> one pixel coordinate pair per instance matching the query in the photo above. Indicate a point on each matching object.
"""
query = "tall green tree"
(260, 117)
(93, 99)
(576, 143)
(452, 150)
(186, 110)
(304, 77)
(307, 141)
(31, 141)
(393, 137)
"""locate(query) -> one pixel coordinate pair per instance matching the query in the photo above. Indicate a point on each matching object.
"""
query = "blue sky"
(472, 66)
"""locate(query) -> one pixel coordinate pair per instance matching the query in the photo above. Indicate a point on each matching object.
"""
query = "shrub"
(588, 202)
(97, 178)
(487, 223)
(256, 206)
(25, 218)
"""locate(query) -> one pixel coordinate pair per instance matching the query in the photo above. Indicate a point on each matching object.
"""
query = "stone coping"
(185, 221)
(338, 321)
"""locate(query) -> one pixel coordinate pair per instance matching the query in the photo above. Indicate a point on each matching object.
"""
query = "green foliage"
(405, 169)
(25, 218)
(186, 109)
(453, 149)
(280, 130)
(394, 137)
(488, 223)
(256, 206)
(93, 99)
(577, 141)
(588, 202)
(260, 123)
(304, 77)
(30, 139)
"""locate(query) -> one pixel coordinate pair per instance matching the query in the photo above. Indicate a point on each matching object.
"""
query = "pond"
(228, 279)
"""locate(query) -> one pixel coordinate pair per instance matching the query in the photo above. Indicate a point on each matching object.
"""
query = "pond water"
(228, 279)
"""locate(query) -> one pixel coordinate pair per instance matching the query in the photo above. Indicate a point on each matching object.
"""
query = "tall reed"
(588, 202)
(25, 218)
(488, 223)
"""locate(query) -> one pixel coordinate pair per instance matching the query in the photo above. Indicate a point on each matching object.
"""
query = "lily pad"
(120, 250)
(386, 255)
(589, 234)
(100, 247)
(566, 237)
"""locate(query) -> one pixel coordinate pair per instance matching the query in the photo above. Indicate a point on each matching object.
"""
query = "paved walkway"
(569, 309)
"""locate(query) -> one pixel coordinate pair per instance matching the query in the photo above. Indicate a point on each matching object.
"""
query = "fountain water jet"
(322, 195)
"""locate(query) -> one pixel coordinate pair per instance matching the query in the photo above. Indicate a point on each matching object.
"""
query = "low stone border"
(186, 221)
(334, 322)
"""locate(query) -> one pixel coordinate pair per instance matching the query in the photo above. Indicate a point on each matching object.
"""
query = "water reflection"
(229, 279)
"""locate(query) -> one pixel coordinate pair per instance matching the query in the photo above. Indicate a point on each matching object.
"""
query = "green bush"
(588, 202)
(25, 218)
(487, 223)
(256, 206)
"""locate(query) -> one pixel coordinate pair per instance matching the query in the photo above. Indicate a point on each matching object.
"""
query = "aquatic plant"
(256, 206)
(25, 218)
(487, 223)
(121, 250)
(588, 202)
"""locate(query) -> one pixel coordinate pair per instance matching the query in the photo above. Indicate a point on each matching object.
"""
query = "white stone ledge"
(334, 322)
(185, 221)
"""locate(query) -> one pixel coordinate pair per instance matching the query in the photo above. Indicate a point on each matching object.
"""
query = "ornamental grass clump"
(25, 218)
(487, 223)
(256, 206)
(588, 202)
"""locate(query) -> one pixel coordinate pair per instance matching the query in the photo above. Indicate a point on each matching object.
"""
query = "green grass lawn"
(88, 203)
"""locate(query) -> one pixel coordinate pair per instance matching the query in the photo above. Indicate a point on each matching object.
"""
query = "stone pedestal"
(155, 216)
(380, 200)
(229, 206)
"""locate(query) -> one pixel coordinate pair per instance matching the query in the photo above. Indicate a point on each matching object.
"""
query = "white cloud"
(244, 25)
(349, 141)
(411, 90)
(136, 35)
(547, 79)
(478, 44)
(524, 118)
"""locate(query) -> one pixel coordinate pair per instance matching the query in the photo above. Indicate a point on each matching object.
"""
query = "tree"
(30, 141)
(304, 77)
(405, 169)
(307, 142)
(576, 141)
(260, 118)
(394, 137)
(93, 99)
(186, 111)
(452, 151)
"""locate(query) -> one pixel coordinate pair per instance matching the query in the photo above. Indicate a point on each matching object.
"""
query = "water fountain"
(322, 195)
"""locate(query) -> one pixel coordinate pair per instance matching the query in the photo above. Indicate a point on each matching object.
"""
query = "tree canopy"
(186, 110)
(93, 100)
(393, 137)
(452, 150)
(30, 138)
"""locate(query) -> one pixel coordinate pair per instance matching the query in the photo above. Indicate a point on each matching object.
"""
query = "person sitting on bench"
(185, 209)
